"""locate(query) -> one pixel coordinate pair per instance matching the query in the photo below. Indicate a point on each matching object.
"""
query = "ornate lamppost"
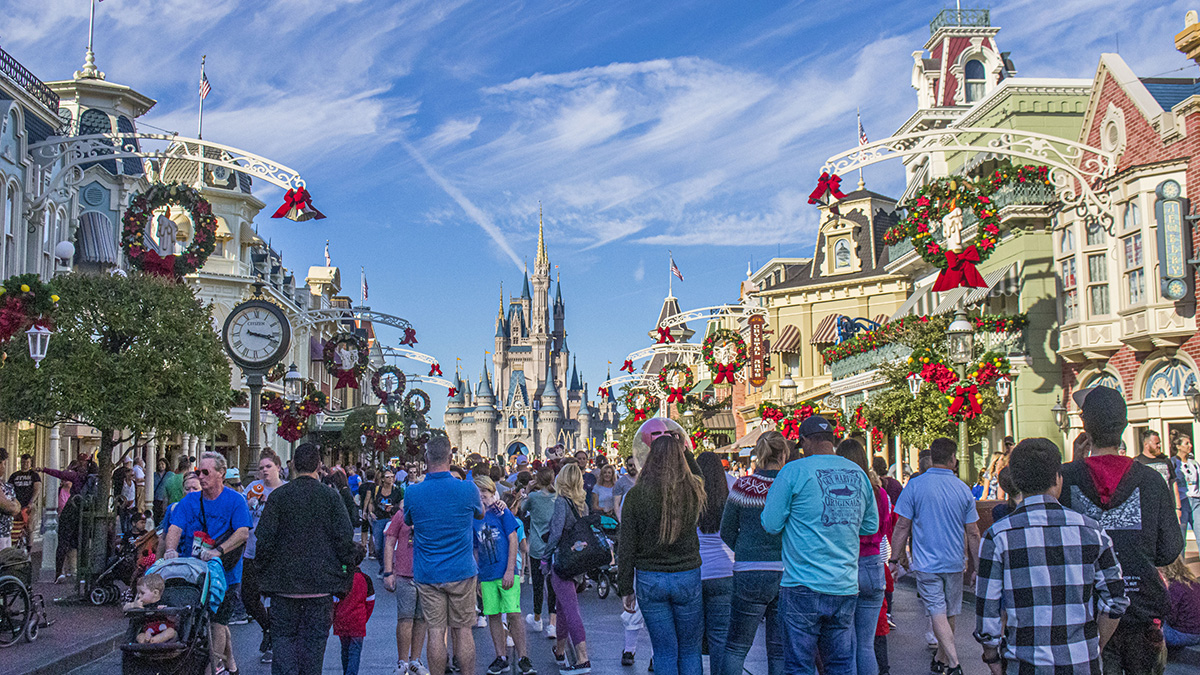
(960, 346)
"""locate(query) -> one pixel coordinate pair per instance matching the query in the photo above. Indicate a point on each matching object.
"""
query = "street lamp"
(914, 384)
(1060, 414)
(1192, 396)
(960, 345)
(788, 385)
(39, 342)
(381, 417)
(292, 384)
(414, 431)
(1003, 387)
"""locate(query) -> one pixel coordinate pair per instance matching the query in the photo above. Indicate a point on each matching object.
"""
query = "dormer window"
(976, 78)
(841, 254)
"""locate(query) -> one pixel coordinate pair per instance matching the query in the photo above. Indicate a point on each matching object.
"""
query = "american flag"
(204, 87)
(364, 284)
(862, 133)
(675, 269)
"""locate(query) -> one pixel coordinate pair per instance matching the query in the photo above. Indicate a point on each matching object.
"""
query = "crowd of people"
(1078, 568)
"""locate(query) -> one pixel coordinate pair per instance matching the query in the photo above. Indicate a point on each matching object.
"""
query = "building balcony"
(861, 363)
(960, 17)
(19, 75)
(1009, 344)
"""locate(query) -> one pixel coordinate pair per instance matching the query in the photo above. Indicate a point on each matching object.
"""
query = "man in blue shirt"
(442, 510)
(821, 504)
(939, 510)
(201, 519)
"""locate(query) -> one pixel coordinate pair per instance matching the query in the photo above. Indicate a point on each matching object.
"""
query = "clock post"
(257, 335)
(254, 380)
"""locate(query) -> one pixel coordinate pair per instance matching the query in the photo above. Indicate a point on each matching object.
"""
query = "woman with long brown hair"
(661, 547)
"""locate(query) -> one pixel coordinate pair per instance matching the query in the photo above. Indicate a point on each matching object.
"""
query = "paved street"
(909, 656)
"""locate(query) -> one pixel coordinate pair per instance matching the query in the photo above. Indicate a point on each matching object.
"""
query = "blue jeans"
(351, 654)
(1190, 516)
(817, 622)
(871, 587)
(378, 528)
(1175, 638)
(757, 596)
(718, 595)
(299, 631)
(673, 607)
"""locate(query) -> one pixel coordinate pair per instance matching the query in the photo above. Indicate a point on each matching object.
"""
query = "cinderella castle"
(536, 398)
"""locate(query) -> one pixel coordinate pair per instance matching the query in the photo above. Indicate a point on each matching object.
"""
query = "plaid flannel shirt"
(1039, 567)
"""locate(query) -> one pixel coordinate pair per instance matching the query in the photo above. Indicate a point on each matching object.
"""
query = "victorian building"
(533, 397)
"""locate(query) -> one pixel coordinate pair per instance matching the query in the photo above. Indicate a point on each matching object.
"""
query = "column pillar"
(50, 514)
(185, 444)
(151, 469)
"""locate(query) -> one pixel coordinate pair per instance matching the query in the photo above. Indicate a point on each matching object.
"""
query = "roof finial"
(543, 261)
(90, 71)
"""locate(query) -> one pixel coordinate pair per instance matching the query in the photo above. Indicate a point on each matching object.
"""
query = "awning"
(950, 300)
(720, 419)
(788, 341)
(97, 239)
(1001, 282)
(826, 331)
(316, 348)
(746, 442)
(910, 304)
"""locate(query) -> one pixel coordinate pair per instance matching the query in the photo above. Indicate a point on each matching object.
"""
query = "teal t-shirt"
(821, 504)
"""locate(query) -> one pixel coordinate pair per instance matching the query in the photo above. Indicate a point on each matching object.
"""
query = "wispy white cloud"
(451, 132)
(639, 274)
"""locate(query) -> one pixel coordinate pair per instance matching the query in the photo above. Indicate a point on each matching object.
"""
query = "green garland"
(892, 332)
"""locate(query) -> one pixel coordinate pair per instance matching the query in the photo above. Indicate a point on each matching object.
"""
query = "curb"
(80, 657)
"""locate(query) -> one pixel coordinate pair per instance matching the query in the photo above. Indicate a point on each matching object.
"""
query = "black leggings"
(252, 597)
(542, 582)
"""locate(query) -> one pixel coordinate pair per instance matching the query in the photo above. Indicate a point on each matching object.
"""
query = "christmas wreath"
(293, 417)
(723, 339)
(641, 402)
(392, 396)
(347, 375)
(962, 395)
(25, 302)
(418, 401)
(276, 372)
(137, 216)
(381, 439)
(667, 379)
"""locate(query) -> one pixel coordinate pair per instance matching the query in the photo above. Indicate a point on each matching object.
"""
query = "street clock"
(257, 335)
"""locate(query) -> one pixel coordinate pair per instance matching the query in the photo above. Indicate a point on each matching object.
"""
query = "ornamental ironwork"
(19, 74)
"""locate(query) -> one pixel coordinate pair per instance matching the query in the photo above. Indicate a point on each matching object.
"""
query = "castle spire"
(543, 261)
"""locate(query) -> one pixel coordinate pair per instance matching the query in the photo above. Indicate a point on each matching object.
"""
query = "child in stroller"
(191, 590)
(157, 628)
(607, 575)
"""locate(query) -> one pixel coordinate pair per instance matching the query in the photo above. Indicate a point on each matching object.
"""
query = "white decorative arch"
(709, 313)
(1076, 169)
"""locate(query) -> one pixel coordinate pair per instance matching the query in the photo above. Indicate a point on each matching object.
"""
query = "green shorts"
(496, 600)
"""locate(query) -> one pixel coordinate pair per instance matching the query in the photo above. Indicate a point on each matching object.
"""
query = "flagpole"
(861, 183)
(200, 126)
(670, 275)
(362, 278)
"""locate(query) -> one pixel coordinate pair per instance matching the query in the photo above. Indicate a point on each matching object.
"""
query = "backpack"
(583, 546)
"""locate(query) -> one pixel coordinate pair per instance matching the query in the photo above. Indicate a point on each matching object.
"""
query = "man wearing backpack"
(442, 511)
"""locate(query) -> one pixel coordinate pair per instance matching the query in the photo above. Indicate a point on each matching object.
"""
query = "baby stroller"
(121, 567)
(606, 576)
(190, 591)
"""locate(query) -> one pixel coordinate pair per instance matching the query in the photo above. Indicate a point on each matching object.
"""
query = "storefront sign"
(758, 351)
(1174, 239)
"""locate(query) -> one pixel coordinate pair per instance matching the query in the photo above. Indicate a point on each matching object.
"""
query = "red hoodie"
(351, 614)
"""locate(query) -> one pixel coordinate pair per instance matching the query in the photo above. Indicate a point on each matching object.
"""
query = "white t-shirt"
(139, 474)
(128, 492)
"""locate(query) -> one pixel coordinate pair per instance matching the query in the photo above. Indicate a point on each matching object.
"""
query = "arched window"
(1105, 380)
(1170, 381)
(131, 166)
(841, 254)
(1133, 216)
(94, 121)
(512, 422)
(976, 78)
(524, 423)
(12, 215)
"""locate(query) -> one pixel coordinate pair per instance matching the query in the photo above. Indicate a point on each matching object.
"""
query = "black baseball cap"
(1103, 410)
(815, 425)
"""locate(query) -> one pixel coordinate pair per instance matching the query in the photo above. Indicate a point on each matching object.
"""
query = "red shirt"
(351, 614)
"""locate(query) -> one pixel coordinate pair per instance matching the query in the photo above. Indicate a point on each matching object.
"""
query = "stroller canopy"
(209, 577)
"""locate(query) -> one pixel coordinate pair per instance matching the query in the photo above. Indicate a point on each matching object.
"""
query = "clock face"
(257, 334)
(1170, 189)
(1176, 289)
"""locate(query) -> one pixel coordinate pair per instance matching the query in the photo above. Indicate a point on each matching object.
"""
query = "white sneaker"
(401, 667)
(550, 632)
(482, 622)
(510, 642)
(534, 624)
(417, 668)
(931, 639)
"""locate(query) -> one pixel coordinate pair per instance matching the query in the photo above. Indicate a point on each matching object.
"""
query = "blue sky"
(428, 132)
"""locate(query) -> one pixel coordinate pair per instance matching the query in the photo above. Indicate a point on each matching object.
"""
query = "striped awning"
(788, 341)
(97, 239)
(1001, 282)
(316, 348)
(909, 306)
(826, 331)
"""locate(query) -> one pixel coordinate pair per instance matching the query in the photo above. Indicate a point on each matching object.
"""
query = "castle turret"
(550, 416)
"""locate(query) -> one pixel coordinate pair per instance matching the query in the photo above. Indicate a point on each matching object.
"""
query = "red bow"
(966, 401)
(452, 393)
(676, 395)
(628, 365)
(434, 369)
(725, 372)
(639, 414)
(960, 271)
(347, 378)
(830, 183)
(410, 338)
(602, 392)
(153, 263)
(664, 335)
(297, 205)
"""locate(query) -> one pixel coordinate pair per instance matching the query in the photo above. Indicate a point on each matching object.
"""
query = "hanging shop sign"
(758, 350)
(1174, 239)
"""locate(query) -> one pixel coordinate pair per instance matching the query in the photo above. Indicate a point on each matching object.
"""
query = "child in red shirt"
(351, 614)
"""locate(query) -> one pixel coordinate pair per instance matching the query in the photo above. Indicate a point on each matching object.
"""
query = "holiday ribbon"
(162, 266)
(639, 414)
(960, 271)
(452, 393)
(298, 199)
(602, 392)
(410, 338)
(347, 378)
(628, 365)
(830, 183)
(434, 369)
(966, 401)
(676, 395)
(725, 373)
(664, 335)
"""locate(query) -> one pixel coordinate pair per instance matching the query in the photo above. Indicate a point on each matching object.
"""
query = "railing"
(960, 17)
(1005, 343)
(861, 363)
(1015, 194)
(16, 72)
